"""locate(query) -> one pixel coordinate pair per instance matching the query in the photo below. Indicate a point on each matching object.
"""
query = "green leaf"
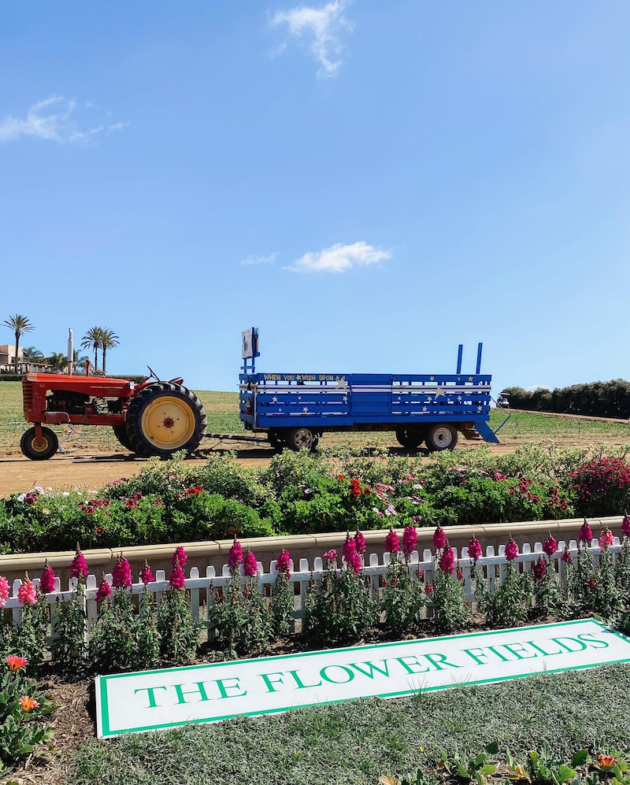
(579, 758)
(488, 769)
(493, 748)
(461, 770)
(564, 773)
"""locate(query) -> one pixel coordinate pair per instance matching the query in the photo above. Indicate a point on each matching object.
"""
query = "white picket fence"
(200, 589)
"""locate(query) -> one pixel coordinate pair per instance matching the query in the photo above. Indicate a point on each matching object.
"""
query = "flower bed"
(302, 494)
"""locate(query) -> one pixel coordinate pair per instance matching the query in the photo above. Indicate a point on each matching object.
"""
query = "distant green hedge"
(597, 399)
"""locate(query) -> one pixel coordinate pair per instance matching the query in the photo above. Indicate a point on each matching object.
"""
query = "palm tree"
(20, 325)
(79, 362)
(92, 340)
(30, 354)
(59, 361)
(109, 340)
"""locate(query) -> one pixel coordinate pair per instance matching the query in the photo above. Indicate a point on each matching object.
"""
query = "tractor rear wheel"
(409, 439)
(120, 432)
(42, 450)
(165, 418)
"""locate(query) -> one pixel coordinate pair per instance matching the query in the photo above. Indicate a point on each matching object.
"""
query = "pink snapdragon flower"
(235, 556)
(331, 555)
(179, 556)
(4, 592)
(250, 566)
(586, 533)
(439, 538)
(511, 550)
(550, 546)
(78, 568)
(447, 560)
(606, 538)
(349, 549)
(539, 569)
(26, 593)
(625, 525)
(567, 556)
(410, 540)
(392, 543)
(177, 578)
(104, 590)
(121, 574)
(47, 581)
(283, 563)
(359, 541)
(474, 549)
(428, 589)
(146, 576)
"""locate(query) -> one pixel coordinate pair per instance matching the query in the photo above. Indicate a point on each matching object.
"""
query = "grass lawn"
(222, 410)
(354, 743)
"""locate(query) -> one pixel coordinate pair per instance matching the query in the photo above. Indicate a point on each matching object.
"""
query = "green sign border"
(102, 706)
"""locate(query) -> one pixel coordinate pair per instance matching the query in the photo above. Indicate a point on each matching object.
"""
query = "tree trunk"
(95, 358)
(104, 356)
(17, 350)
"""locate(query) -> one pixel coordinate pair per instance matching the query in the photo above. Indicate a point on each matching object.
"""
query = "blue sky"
(369, 182)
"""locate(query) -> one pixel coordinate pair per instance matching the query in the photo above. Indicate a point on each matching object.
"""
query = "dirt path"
(17, 474)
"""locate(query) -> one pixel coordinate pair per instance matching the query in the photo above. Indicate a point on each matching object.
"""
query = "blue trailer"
(295, 409)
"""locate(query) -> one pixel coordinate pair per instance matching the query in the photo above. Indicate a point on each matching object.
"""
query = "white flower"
(37, 489)
(65, 493)
(21, 497)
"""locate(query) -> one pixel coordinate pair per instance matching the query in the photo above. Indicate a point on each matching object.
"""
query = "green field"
(222, 409)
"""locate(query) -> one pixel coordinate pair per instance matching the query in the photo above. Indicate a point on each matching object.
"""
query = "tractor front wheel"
(39, 450)
(163, 419)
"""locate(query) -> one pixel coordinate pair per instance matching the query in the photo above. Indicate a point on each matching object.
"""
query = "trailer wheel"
(441, 436)
(277, 440)
(120, 432)
(409, 439)
(39, 451)
(165, 418)
(302, 439)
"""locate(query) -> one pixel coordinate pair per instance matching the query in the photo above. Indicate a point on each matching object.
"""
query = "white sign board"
(134, 702)
(250, 344)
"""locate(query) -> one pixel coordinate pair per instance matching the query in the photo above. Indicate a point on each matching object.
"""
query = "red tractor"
(152, 418)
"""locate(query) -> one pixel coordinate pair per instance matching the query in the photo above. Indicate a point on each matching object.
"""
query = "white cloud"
(339, 258)
(534, 387)
(55, 120)
(257, 259)
(319, 31)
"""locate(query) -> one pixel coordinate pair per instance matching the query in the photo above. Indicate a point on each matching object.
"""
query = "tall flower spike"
(47, 581)
(511, 550)
(392, 543)
(410, 540)
(283, 563)
(474, 548)
(447, 560)
(177, 578)
(235, 556)
(104, 590)
(586, 533)
(606, 538)
(550, 546)
(179, 557)
(359, 541)
(4, 592)
(26, 593)
(349, 549)
(250, 566)
(121, 574)
(146, 576)
(439, 538)
(78, 568)
(625, 525)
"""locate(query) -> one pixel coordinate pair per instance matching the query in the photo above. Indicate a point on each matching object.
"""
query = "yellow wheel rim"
(168, 423)
(39, 446)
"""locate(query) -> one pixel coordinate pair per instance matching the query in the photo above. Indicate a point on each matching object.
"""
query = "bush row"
(298, 493)
(597, 399)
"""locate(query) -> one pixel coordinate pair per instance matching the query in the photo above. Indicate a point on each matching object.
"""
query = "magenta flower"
(550, 546)
(26, 593)
(104, 590)
(359, 541)
(586, 533)
(410, 540)
(78, 568)
(539, 569)
(355, 563)
(47, 581)
(567, 556)
(474, 548)
(235, 556)
(179, 556)
(121, 574)
(177, 578)
(439, 538)
(511, 550)
(250, 567)
(283, 563)
(392, 543)
(606, 539)
(146, 576)
(592, 584)
(331, 555)
(428, 589)
(447, 560)
(4, 592)
(349, 549)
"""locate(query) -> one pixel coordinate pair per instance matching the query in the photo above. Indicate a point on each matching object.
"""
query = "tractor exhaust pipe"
(70, 351)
